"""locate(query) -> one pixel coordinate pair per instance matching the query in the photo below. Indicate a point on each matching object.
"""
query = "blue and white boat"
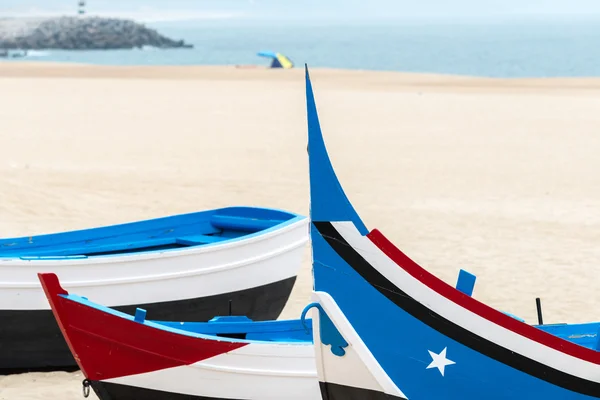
(183, 267)
(386, 328)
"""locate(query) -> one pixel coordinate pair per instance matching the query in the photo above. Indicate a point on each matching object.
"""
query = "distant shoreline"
(524, 51)
(342, 78)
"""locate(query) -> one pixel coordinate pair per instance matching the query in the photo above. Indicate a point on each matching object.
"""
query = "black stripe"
(448, 328)
(30, 340)
(115, 391)
(333, 391)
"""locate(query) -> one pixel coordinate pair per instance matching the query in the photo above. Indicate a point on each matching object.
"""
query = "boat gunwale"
(281, 227)
(158, 326)
(169, 276)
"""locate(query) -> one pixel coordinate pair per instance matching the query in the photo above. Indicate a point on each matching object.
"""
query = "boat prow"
(130, 357)
(419, 337)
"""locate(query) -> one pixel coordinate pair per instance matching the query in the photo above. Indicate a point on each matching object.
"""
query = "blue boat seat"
(191, 240)
(67, 257)
(151, 244)
(242, 223)
(513, 316)
(466, 282)
(194, 240)
(106, 248)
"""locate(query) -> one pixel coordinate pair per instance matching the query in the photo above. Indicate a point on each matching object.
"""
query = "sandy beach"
(496, 176)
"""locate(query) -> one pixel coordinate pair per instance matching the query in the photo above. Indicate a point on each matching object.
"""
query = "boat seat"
(80, 249)
(466, 282)
(194, 240)
(68, 257)
(243, 223)
(513, 316)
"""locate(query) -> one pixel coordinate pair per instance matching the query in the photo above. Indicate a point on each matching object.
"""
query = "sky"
(150, 10)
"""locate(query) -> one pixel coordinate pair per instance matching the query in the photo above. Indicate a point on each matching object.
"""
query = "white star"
(439, 361)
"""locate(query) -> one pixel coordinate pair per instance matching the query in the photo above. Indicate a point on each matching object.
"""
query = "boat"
(386, 328)
(189, 266)
(130, 357)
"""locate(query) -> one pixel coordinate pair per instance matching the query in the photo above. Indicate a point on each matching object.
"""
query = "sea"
(517, 47)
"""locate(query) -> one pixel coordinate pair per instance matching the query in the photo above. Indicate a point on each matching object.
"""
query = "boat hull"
(254, 372)
(256, 273)
(127, 357)
(333, 391)
(113, 391)
(386, 324)
(32, 340)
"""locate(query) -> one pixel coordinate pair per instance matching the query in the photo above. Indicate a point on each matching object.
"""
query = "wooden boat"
(386, 328)
(128, 357)
(190, 266)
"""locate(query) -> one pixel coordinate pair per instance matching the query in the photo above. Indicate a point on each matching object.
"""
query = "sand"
(499, 177)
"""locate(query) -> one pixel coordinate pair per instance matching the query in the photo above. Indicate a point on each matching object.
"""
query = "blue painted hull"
(415, 336)
(407, 330)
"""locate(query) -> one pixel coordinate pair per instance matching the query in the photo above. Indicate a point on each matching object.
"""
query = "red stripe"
(107, 346)
(476, 307)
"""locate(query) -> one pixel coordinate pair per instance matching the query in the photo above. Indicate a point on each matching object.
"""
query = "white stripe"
(461, 316)
(259, 371)
(357, 367)
(161, 276)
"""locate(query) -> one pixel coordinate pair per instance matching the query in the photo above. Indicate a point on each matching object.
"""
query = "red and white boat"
(125, 357)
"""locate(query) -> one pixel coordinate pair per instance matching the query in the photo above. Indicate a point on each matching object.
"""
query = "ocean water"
(495, 48)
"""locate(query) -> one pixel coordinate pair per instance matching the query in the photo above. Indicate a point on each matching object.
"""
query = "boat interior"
(585, 335)
(167, 233)
(233, 327)
(241, 327)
